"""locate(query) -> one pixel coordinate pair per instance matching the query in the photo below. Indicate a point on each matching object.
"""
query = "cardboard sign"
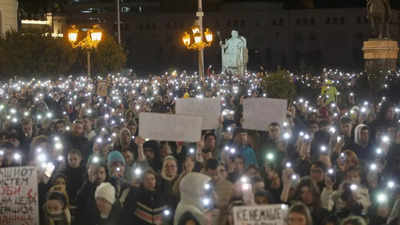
(167, 127)
(19, 196)
(102, 88)
(260, 215)
(207, 108)
(258, 113)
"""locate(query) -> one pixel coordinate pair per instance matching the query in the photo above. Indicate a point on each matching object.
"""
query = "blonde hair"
(168, 158)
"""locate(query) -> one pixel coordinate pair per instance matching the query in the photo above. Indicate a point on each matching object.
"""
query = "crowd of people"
(333, 160)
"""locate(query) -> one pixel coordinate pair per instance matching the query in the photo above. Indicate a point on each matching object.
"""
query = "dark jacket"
(144, 207)
(93, 216)
(78, 142)
(75, 178)
(85, 200)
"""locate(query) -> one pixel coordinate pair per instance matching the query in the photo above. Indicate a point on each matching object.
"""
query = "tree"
(28, 53)
(279, 85)
(109, 56)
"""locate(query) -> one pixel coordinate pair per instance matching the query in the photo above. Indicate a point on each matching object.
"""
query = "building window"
(335, 20)
(298, 21)
(312, 21)
(281, 22)
(305, 21)
(328, 20)
(313, 37)
(298, 37)
(341, 20)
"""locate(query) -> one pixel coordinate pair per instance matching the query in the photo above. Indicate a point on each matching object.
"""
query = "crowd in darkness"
(333, 160)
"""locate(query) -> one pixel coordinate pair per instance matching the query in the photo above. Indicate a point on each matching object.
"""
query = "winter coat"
(74, 180)
(93, 216)
(85, 200)
(144, 207)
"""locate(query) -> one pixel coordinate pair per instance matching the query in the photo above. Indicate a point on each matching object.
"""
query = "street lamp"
(197, 39)
(91, 41)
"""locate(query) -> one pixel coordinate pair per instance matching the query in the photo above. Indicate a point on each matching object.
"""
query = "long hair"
(307, 182)
(163, 172)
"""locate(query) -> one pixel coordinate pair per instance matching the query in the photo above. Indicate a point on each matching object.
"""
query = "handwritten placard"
(18, 196)
(258, 113)
(207, 108)
(260, 215)
(167, 127)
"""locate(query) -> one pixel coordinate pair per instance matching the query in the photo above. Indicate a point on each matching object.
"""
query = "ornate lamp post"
(197, 39)
(91, 41)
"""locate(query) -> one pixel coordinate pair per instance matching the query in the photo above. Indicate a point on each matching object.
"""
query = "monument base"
(380, 56)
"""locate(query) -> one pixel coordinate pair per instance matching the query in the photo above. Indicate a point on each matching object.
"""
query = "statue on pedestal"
(234, 54)
(379, 14)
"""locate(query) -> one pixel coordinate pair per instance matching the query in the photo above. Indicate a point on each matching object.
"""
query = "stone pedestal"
(380, 56)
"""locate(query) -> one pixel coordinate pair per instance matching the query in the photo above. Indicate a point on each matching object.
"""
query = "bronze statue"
(379, 14)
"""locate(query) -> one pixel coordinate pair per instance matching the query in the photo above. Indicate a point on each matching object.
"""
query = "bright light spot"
(373, 167)
(17, 156)
(270, 156)
(244, 180)
(381, 197)
(95, 159)
(138, 171)
(58, 146)
(391, 184)
(353, 187)
(206, 201)
(246, 187)
(167, 212)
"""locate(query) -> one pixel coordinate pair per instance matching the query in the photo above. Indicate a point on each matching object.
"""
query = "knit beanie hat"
(115, 156)
(106, 191)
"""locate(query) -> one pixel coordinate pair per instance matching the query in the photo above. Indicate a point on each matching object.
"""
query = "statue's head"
(235, 34)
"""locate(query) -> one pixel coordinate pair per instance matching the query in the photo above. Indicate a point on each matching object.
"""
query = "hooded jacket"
(192, 189)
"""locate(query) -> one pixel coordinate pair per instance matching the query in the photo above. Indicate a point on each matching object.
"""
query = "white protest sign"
(167, 127)
(207, 108)
(260, 215)
(258, 113)
(19, 196)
